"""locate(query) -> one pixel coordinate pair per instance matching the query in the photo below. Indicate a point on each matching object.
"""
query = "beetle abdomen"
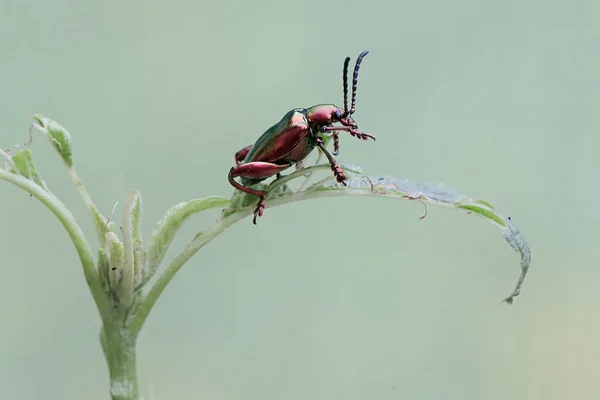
(301, 150)
(281, 138)
(287, 142)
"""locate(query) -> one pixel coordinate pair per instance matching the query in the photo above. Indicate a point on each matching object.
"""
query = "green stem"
(75, 233)
(145, 304)
(99, 220)
(119, 349)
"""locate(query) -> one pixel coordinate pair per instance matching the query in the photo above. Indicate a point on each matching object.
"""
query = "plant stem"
(75, 233)
(120, 351)
(146, 303)
(99, 220)
(142, 309)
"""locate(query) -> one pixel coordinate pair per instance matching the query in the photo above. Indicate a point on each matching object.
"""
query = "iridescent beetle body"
(293, 138)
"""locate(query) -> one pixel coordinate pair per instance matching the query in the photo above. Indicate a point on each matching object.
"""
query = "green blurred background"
(344, 298)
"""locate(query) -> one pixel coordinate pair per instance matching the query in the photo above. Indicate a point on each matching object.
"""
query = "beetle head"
(323, 114)
(344, 118)
(327, 114)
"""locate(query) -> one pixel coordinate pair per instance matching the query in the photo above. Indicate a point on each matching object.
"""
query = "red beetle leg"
(352, 131)
(241, 155)
(337, 170)
(336, 144)
(256, 169)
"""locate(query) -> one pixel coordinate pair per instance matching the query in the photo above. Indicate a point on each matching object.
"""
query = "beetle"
(293, 138)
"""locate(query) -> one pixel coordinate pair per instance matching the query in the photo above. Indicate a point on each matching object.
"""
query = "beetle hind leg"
(251, 170)
(260, 207)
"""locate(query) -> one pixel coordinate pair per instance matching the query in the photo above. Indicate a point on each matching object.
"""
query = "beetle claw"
(339, 174)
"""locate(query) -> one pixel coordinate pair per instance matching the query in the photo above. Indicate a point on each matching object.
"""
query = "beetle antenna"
(355, 80)
(345, 78)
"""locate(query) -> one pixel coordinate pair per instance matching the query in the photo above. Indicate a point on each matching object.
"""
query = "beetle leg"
(337, 170)
(241, 155)
(336, 144)
(350, 130)
(336, 138)
(256, 169)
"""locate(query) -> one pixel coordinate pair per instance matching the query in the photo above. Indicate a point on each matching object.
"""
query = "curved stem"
(145, 304)
(75, 233)
(99, 220)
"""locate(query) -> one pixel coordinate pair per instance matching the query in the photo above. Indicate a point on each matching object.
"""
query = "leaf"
(103, 267)
(131, 225)
(139, 255)
(59, 137)
(23, 161)
(61, 141)
(115, 252)
(360, 184)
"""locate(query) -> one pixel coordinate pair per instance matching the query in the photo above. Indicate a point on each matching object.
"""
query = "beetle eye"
(338, 114)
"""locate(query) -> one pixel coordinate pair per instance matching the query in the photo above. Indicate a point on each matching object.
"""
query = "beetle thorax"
(323, 114)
